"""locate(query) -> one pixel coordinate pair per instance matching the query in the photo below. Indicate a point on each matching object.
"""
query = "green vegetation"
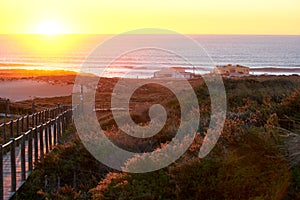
(248, 166)
(250, 160)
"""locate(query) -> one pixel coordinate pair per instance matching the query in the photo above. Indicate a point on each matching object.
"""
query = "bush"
(154, 185)
(252, 168)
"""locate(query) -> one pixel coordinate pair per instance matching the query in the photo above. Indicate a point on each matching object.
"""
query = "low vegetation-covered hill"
(250, 160)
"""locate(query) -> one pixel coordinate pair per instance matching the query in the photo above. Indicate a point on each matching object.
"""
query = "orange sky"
(184, 16)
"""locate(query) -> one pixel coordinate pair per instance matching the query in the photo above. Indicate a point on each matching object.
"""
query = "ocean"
(264, 54)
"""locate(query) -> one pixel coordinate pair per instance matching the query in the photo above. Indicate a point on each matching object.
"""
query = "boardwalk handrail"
(42, 132)
(27, 121)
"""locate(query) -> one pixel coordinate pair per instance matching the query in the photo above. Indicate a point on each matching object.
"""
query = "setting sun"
(49, 28)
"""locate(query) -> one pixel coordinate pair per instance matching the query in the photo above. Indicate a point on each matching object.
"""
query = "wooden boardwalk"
(7, 192)
(18, 155)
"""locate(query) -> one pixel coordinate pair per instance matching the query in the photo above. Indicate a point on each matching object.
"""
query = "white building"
(173, 73)
(231, 70)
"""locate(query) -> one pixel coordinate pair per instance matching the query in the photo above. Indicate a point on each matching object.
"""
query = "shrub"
(252, 168)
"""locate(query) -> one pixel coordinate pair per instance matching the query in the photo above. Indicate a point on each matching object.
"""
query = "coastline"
(22, 84)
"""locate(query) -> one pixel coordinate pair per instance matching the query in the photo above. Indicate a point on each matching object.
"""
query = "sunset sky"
(184, 16)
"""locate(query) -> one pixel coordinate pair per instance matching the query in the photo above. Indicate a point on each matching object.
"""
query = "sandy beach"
(19, 85)
(19, 90)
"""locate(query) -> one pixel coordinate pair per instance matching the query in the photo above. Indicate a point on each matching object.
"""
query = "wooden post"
(27, 121)
(23, 169)
(22, 124)
(13, 165)
(7, 111)
(54, 132)
(62, 124)
(1, 172)
(41, 143)
(81, 98)
(50, 135)
(58, 184)
(33, 120)
(46, 183)
(57, 110)
(42, 116)
(11, 129)
(72, 115)
(36, 119)
(46, 138)
(17, 127)
(30, 150)
(68, 118)
(58, 129)
(36, 148)
(4, 133)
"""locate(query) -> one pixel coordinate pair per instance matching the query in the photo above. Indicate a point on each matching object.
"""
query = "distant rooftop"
(232, 70)
(230, 65)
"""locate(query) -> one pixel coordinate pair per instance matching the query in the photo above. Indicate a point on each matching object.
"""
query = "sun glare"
(49, 28)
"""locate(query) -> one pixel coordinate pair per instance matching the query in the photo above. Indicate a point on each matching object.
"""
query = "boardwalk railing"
(25, 141)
